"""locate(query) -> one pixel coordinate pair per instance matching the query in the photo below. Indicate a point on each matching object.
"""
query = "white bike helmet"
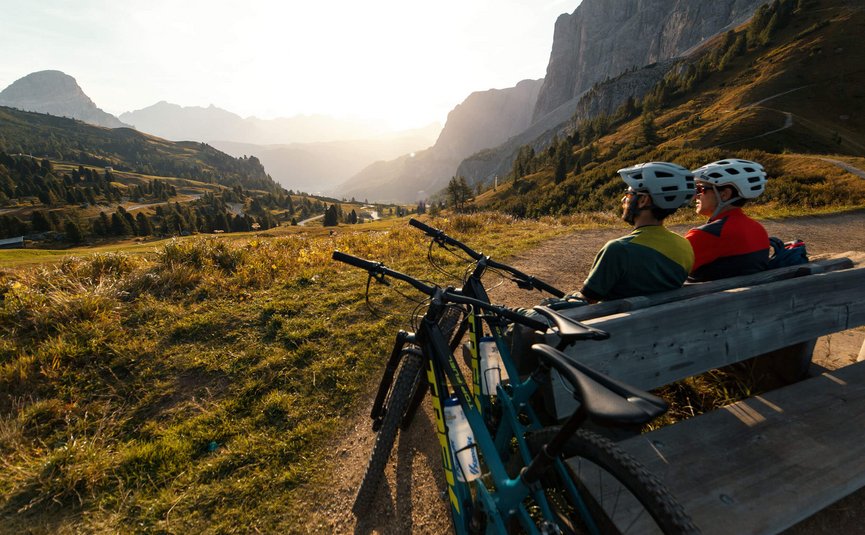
(669, 185)
(747, 177)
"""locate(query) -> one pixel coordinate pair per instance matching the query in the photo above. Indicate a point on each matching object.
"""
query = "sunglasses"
(700, 188)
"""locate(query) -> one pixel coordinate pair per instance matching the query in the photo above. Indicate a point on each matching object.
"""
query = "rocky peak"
(56, 93)
(604, 38)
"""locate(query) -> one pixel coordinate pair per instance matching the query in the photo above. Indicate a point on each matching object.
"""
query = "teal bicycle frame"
(508, 499)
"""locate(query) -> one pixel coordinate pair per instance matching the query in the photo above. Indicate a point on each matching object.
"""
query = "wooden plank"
(694, 290)
(665, 343)
(761, 465)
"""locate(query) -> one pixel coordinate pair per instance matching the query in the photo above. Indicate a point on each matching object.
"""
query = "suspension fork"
(378, 407)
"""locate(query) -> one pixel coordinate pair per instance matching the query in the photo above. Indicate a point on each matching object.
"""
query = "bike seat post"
(551, 451)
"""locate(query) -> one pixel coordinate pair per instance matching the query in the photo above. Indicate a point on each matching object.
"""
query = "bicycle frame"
(444, 374)
(495, 497)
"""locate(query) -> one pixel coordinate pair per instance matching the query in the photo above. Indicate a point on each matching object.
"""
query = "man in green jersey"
(650, 259)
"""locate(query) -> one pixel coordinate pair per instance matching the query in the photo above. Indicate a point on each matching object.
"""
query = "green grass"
(193, 389)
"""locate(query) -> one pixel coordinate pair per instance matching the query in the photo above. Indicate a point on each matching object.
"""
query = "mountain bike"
(514, 476)
(402, 387)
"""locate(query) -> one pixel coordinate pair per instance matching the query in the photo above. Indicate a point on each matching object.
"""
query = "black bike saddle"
(606, 400)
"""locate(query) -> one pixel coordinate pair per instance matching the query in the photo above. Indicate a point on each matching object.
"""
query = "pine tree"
(143, 223)
(73, 232)
(331, 218)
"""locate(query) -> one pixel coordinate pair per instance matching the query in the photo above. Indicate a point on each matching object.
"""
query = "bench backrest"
(657, 345)
(695, 290)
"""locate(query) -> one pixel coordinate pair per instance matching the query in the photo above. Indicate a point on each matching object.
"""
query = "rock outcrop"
(56, 93)
(604, 38)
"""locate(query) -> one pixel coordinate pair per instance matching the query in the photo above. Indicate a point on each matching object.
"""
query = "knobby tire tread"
(647, 488)
(404, 385)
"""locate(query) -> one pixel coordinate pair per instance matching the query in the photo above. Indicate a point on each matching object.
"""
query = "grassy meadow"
(192, 386)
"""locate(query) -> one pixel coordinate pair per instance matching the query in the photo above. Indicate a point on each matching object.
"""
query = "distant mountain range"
(56, 93)
(602, 39)
(195, 123)
(603, 53)
(483, 120)
(319, 168)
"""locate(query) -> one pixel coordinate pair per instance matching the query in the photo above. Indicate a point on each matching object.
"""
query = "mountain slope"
(125, 149)
(56, 93)
(785, 90)
(321, 167)
(603, 98)
(485, 119)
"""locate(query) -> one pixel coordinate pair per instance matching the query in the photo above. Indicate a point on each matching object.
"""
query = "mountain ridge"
(484, 119)
(206, 124)
(56, 93)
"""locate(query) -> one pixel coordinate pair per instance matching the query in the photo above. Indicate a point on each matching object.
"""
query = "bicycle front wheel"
(408, 378)
(619, 495)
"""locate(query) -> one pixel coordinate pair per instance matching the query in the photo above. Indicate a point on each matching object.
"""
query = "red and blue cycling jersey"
(732, 244)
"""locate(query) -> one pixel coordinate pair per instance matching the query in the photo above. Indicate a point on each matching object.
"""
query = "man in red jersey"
(730, 243)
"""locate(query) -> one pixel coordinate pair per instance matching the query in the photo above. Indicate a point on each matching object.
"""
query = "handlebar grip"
(377, 268)
(356, 261)
(432, 231)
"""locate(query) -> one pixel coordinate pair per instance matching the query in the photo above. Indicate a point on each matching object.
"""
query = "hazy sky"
(405, 62)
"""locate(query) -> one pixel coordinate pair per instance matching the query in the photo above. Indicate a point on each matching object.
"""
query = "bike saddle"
(570, 330)
(606, 400)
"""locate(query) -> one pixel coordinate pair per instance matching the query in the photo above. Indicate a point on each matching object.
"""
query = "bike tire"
(407, 377)
(453, 326)
(620, 493)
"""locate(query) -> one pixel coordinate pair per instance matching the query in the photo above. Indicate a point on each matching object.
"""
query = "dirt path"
(412, 501)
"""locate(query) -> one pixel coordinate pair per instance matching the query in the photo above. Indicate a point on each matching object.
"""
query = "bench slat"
(763, 464)
(652, 347)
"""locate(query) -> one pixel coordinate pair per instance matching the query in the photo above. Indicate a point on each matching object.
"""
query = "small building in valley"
(12, 243)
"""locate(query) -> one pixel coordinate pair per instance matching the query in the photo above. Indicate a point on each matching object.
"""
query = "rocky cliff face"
(604, 38)
(604, 98)
(485, 119)
(58, 94)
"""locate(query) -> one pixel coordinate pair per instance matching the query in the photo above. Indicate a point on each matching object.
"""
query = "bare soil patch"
(411, 501)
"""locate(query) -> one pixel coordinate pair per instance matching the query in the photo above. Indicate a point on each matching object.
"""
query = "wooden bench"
(761, 465)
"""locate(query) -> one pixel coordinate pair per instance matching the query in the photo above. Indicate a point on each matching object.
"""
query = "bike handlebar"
(379, 270)
(440, 236)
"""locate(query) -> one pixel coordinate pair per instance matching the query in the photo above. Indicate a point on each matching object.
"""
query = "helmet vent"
(715, 174)
(663, 174)
(753, 179)
(670, 188)
(732, 171)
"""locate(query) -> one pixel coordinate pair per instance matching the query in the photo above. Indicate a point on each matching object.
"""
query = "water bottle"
(492, 368)
(462, 441)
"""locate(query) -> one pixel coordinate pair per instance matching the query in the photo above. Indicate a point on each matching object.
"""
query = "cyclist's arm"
(707, 244)
(607, 270)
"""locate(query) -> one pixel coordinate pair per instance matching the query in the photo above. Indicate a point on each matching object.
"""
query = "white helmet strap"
(722, 205)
